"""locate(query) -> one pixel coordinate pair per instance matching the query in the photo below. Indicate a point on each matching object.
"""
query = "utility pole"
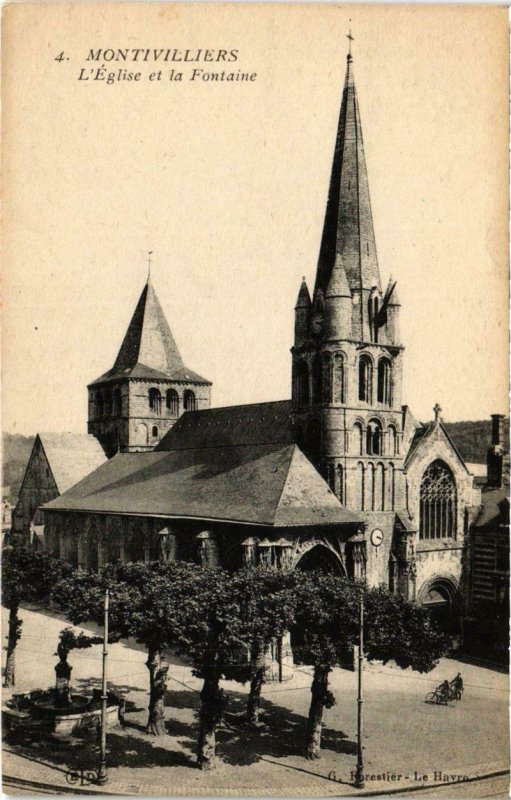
(359, 774)
(102, 774)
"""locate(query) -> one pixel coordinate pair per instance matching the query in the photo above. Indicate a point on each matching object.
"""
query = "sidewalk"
(311, 782)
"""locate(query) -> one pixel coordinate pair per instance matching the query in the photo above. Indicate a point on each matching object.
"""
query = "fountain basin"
(39, 711)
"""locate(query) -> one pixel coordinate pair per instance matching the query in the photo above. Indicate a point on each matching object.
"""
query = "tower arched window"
(330, 476)
(358, 439)
(384, 381)
(338, 384)
(302, 384)
(189, 400)
(117, 402)
(100, 406)
(392, 441)
(317, 379)
(438, 502)
(374, 437)
(173, 402)
(379, 489)
(327, 378)
(155, 400)
(365, 379)
(155, 432)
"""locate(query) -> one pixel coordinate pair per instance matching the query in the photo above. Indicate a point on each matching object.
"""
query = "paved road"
(497, 787)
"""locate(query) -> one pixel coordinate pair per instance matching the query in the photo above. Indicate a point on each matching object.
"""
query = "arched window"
(155, 431)
(384, 381)
(437, 502)
(330, 476)
(189, 400)
(358, 439)
(372, 309)
(327, 378)
(365, 379)
(392, 441)
(374, 437)
(317, 379)
(302, 384)
(173, 402)
(340, 483)
(117, 403)
(338, 384)
(100, 405)
(142, 433)
(155, 400)
(361, 486)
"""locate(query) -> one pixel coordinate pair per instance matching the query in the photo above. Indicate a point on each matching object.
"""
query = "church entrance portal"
(321, 559)
(440, 596)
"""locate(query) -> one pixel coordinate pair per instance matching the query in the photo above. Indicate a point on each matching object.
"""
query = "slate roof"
(148, 349)
(263, 484)
(71, 456)
(256, 423)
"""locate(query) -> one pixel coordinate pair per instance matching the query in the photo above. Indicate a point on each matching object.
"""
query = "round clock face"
(376, 537)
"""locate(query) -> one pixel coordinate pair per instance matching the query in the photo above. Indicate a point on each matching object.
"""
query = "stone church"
(340, 477)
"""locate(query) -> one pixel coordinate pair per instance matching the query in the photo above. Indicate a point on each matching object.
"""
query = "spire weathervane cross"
(149, 262)
(351, 39)
(437, 411)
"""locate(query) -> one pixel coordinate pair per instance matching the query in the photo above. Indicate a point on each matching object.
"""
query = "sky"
(227, 183)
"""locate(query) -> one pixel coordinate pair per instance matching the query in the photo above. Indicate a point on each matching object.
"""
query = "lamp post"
(359, 774)
(102, 774)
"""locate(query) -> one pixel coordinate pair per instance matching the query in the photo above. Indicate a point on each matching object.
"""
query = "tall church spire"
(348, 227)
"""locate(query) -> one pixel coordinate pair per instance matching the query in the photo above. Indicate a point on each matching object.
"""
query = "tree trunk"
(320, 697)
(13, 634)
(158, 669)
(254, 697)
(209, 715)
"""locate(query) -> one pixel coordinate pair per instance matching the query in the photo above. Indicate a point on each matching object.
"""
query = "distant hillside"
(473, 438)
(16, 450)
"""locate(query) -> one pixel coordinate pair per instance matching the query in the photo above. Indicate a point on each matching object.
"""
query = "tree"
(215, 637)
(27, 576)
(326, 630)
(267, 609)
(144, 600)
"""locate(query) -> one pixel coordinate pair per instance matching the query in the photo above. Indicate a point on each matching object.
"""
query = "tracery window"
(384, 381)
(302, 384)
(189, 400)
(155, 400)
(437, 502)
(173, 401)
(365, 379)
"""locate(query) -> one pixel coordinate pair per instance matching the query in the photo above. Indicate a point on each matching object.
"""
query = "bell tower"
(347, 354)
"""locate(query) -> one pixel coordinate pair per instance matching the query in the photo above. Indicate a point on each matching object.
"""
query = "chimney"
(495, 455)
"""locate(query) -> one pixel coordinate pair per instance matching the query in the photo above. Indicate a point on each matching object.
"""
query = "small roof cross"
(437, 410)
(351, 39)
(149, 262)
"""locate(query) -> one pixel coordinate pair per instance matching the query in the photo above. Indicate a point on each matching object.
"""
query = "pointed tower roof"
(348, 227)
(149, 349)
(391, 293)
(338, 285)
(304, 299)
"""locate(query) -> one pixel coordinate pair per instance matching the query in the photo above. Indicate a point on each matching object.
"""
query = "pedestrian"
(458, 686)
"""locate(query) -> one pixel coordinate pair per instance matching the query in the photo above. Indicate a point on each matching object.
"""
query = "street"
(407, 743)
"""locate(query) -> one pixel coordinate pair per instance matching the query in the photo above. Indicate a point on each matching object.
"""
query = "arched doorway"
(322, 559)
(441, 597)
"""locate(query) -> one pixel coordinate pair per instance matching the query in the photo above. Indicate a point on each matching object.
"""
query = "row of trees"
(223, 624)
